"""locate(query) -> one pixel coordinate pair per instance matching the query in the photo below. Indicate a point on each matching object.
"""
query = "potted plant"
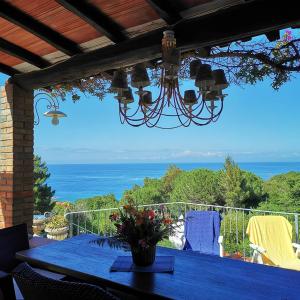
(57, 228)
(38, 224)
(140, 230)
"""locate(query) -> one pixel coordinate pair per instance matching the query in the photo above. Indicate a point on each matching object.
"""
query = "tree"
(283, 193)
(42, 192)
(198, 186)
(149, 193)
(241, 188)
(97, 202)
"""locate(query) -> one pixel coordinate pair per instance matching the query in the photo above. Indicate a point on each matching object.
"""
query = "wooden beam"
(19, 18)
(273, 36)
(96, 18)
(166, 10)
(23, 54)
(223, 27)
(8, 70)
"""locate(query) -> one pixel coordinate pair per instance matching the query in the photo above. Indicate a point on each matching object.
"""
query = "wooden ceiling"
(76, 26)
(43, 37)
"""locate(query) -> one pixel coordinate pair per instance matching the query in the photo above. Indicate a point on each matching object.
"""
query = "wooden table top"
(196, 276)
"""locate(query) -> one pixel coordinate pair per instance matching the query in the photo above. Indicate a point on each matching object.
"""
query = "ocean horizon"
(78, 181)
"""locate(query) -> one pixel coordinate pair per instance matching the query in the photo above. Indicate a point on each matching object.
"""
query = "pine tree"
(42, 192)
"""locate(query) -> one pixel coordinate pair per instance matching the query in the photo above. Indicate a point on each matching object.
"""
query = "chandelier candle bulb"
(119, 81)
(194, 67)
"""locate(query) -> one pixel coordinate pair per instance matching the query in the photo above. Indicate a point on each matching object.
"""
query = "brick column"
(16, 156)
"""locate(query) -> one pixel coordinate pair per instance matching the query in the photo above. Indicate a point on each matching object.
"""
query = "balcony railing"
(233, 226)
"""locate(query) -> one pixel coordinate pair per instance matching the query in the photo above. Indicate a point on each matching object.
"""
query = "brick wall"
(16, 156)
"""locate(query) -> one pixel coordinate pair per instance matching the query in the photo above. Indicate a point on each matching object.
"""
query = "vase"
(143, 256)
(58, 234)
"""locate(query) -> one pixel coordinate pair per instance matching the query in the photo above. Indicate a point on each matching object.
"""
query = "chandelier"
(199, 107)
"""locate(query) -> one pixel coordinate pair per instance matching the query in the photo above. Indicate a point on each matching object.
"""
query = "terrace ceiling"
(44, 42)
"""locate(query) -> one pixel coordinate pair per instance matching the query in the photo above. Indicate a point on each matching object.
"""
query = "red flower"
(114, 217)
(167, 221)
(151, 214)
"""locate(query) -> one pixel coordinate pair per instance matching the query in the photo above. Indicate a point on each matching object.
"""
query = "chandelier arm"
(154, 110)
(187, 122)
(129, 117)
(132, 115)
(193, 119)
(191, 114)
(188, 114)
(150, 125)
(212, 113)
(183, 109)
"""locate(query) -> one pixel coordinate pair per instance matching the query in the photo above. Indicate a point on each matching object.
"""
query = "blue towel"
(202, 230)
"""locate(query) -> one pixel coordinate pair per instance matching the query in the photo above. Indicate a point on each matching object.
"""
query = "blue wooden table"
(196, 276)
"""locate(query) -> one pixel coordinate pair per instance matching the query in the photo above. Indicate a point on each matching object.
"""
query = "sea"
(78, 181)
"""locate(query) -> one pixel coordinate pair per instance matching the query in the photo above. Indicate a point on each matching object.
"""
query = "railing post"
(296, 228)
(71, 224)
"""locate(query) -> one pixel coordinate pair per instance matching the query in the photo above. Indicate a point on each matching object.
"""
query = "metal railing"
(233, 226)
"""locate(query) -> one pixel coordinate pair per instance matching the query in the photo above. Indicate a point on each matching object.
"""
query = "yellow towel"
(274, 234)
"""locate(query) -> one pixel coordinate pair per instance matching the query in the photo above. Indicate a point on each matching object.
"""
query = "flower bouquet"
(140, 230)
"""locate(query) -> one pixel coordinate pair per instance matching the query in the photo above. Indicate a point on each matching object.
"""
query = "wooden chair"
(12, 240)
(36, 287)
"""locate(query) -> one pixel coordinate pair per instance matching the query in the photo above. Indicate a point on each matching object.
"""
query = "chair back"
(12, 240)
(274, 234)
(34, 286)
(202, 231)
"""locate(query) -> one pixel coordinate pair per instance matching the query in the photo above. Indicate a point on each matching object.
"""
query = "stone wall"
(16, 156)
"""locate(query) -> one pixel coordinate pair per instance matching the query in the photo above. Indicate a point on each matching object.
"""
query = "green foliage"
(149, 193)
(97, 202)
(97, 221)
(233, 228)
(42, 192)
(283, 193)
(61, 208)
(241, 188)
(198, 186)
(56, 222)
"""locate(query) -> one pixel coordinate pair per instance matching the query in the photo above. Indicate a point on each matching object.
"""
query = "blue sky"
(257, 124)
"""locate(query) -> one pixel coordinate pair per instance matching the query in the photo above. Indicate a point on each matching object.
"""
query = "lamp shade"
(146, 99)
(194, 66)
(189, 97)
(119, 82)
(220, 79)
(55, 115)
(139, 76)
(204, 78)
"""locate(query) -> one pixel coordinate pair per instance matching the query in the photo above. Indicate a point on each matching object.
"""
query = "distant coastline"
(77, 181)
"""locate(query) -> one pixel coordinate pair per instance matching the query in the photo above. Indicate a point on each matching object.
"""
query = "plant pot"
(57, 233)
(38, 225)
(142, 256)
